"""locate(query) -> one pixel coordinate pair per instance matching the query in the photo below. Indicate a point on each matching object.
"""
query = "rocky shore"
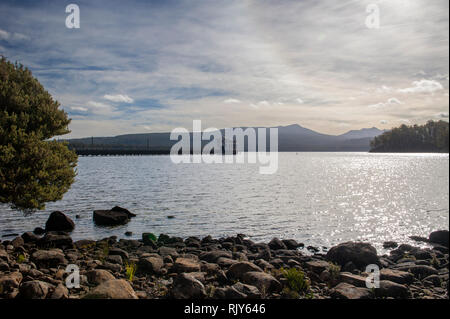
(39, 265)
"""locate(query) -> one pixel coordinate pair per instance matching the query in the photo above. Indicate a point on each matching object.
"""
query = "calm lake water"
(319, 199)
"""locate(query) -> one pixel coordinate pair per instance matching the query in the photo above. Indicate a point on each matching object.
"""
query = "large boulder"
(360, 254)
(238, 270)
(150, 264)
(34, 289)
(439, 237)
(213, 256)
(347, 291)
(10, 281)
(397, 276)
(112, 289)
(59, 222)
(263, 281)
(391, 289)
(48, 258)
(123, 210)
(110, 217)
(186, 265)
(277, 244)
(56, 240)
(186, 286)
(98, 276)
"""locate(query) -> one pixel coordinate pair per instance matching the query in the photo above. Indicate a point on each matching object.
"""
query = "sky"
(153, 66)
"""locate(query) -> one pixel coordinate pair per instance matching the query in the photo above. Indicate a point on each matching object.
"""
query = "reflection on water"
(317, 198)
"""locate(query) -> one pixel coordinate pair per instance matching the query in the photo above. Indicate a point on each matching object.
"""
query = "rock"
(317, 266)
(56, 240)
(39, 231)
(263, 264)
(115, 259)
(168, 251)
(290, 243)
(120, 252)
(186, 265)
(110, 217)
(59, 222)
(263, 281)
(439, 237)
(390, 245)
(352, 279)
(212, 256)
(349, 267)
(249, 291)
(233, 293)
(17, 242)
(98, 276)
(60, 292)
(238, 270)
(4, 255)
(150, 264)
(4, 267)
(110, 266)
(348, 291)
(10, 281)
(123, 210)
(391, 289)
(84, 243)
(226, 262)
(48, 258)
(435, 280)
(128, 233)
(397, 276)
(419, 239)
(34, 289)
(185, 286)
(30, 237)
(361, 254)
(325, 276)
(112, 289)
(420, 271)
(276, 244)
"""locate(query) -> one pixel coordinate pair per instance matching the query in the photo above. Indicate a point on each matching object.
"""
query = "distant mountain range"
(292, 138)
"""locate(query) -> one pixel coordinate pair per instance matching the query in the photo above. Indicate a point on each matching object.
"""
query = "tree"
(33, 169)
(431, 137)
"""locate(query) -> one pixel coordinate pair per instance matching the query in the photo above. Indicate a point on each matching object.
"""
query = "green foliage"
(431, 137)
(20, 259)
(149, 238)
(33, 169)
(130, 269)
(296, 280)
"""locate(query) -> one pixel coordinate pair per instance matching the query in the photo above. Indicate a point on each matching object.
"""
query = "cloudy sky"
(147, 66)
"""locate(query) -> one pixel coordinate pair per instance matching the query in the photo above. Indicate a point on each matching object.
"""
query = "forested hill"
(431, 137)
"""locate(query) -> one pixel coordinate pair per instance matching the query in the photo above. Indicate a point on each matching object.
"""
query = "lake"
(319, 199)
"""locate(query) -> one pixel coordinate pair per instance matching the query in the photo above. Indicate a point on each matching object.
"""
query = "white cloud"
(384, 89)
(441, 115)
(299, 101)
(4, 35)
(423, 86)
(391, 101)
(98, 105)
(79, 108)
(119, 98)
(232, 101)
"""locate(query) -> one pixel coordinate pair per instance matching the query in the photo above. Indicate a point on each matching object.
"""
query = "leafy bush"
(130, 269)
(296, 280)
